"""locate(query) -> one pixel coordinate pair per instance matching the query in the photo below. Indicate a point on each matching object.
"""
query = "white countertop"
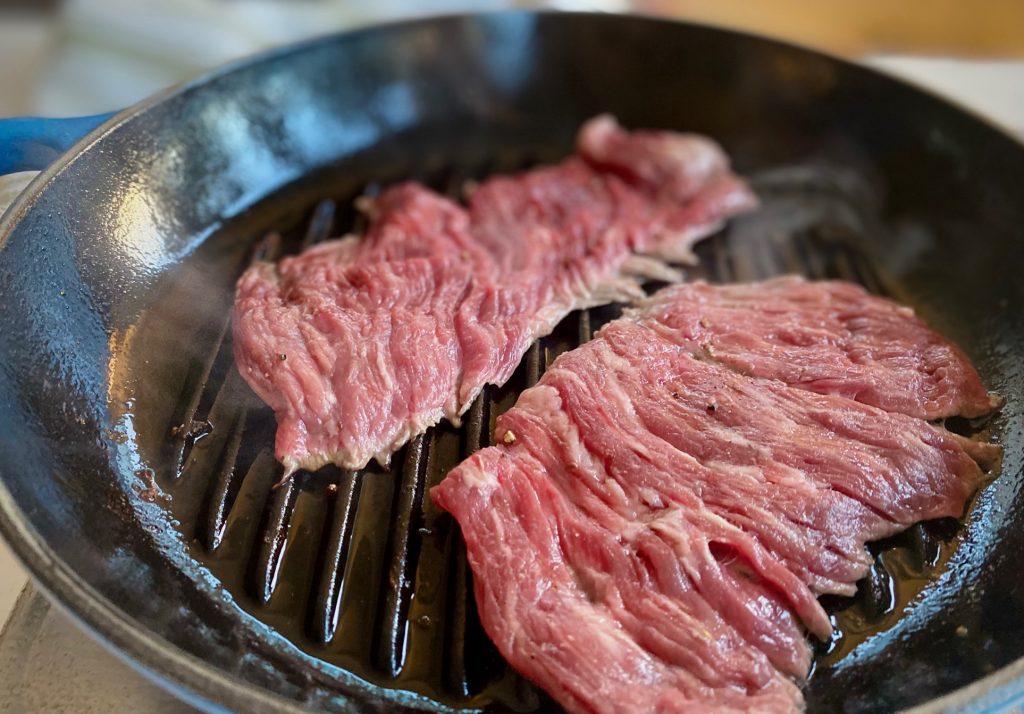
(12, 580)
(995, 89)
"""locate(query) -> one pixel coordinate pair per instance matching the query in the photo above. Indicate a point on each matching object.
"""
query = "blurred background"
(84, 56)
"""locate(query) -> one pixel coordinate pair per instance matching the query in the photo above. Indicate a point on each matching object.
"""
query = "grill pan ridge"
(362, 570)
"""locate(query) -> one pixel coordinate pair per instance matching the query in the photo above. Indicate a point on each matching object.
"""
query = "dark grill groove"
(222, 489)
(270, 549)
(342, 500)
(321, 223)
(402, 553)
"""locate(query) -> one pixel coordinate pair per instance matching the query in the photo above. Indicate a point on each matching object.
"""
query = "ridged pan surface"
(137, 465)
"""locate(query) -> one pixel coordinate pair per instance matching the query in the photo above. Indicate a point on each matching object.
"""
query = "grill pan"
(135, 465)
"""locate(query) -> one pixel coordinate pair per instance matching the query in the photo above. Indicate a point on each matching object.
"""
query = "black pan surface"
(135, 476)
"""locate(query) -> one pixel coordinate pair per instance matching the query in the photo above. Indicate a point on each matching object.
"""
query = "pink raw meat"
(361, 343)
(654, 526)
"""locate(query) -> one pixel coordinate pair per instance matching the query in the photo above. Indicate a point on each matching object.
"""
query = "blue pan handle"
(32, 143)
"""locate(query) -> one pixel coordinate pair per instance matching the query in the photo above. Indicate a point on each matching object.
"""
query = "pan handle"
(32, 143)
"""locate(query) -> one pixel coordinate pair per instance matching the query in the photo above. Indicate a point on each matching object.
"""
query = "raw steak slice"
(828, 337)
(648, 504)
(687, 171)
(359, 344)
(375, 363)
(604, 621)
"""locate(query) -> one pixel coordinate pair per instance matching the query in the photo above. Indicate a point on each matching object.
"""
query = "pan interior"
(359, 569)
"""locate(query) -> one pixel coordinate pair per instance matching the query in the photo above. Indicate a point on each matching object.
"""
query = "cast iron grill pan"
(360, 570)
(135, 473)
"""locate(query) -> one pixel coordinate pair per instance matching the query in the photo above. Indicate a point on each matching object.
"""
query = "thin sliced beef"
(602, 480)
(687, 173)
(649, 504)
(604, 621)
(376, 363)
(831, 338)
(814, 506)
(360, 343)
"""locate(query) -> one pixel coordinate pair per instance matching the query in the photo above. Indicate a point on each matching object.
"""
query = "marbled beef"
(655, 524)
(827, 337)
(361, 343)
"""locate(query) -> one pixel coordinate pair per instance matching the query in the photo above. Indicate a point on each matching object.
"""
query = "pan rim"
(185, 675)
